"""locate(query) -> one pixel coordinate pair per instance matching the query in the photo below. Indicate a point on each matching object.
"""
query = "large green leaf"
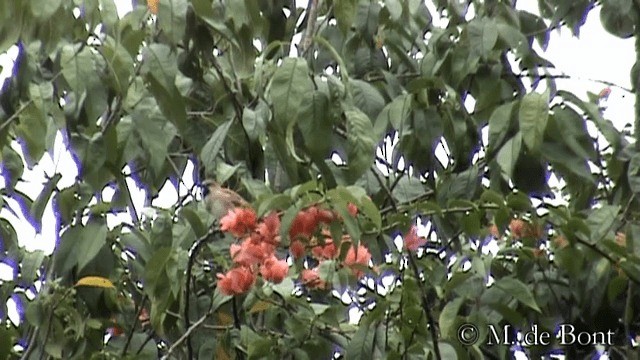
(290, 83)
(211, 149)
(394, 114)
(154, 131)
(315, 124)
(534, 114)
(518, 290)
(483, 35)
(172, 18)
(361, 144)
(345, 12)
(499, 124)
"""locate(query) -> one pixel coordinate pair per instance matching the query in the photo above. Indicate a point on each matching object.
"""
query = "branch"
(311, 24)
(135, 323)
(186, 335)
(15, 115)
(565, 76)
(425, 307)
(192, 256)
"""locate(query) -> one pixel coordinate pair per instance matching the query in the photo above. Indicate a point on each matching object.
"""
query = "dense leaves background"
(263, 95)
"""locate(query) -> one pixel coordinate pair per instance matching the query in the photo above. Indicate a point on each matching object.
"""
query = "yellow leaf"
(260, 306)
(96, 281)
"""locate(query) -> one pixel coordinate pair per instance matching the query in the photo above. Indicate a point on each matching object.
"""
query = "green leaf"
(633, 173)
(7, 339)
(371, 211)
(290, 83)
(606, 127)
(534, 114)
(172, 19)
(160, 63)
(315, 124)
(38, 206)
(155, 133)
(483, 35)
(508, 155)
(362, 342)
(199, 229)
(31, 262)
(499, 124)
(393, 114)
(43, 9)
(448, 316)
(518, 290)
(211, 149)
(601, 221)
(366, 97)
(617, 17)
(32, 130)
(92, 238)
(361, 144)
(78, 67)
(120, 65)
(12, 166)
(155, 273)
(345, 12)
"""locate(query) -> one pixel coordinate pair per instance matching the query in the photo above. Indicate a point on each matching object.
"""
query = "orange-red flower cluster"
(255, 254)
(521, 229)
(412, 241)
(238, 221)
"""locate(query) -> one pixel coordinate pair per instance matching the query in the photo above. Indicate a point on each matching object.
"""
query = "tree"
(264, 96)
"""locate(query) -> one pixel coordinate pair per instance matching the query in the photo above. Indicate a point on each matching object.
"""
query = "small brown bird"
(220, 200)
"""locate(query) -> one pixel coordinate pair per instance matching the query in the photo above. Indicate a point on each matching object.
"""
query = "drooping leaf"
(518, 290)
(290, 83)
(533, 115)
(212, 147)
(361, 143)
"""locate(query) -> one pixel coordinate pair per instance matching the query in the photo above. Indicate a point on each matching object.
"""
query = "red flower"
(494, 231)
(604, 93)
(311, 279)
(326, 251)
(357, 257)
(305, 223)
(236, 281)
(274, 270)
(520, 228)
(412, 241)
(239, 221)
(326, 216)
(297, 249)
(353, 209)
(250, 253)
(269, 229)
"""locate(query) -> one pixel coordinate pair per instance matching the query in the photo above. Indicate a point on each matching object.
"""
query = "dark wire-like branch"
(193, 252)
(139, 309)
(426, 308)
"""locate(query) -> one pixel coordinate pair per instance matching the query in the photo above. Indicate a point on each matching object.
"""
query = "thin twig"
(186, 335)
(426, 307)
(192, 255)
(15, 115)
(311, 24)
(135, 323)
